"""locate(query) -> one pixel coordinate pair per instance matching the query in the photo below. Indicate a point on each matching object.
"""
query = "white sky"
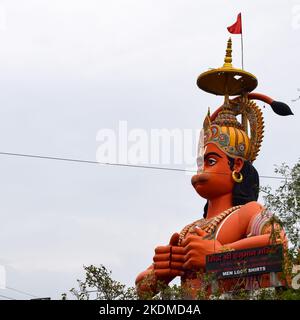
(69, 68)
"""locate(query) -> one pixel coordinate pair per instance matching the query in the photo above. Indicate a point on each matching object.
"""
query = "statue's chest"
(224, 227)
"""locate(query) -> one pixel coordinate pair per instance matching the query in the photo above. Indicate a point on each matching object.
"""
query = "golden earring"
(237, 176)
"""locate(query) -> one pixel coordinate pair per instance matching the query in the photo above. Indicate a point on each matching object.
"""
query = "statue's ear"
(238, 164)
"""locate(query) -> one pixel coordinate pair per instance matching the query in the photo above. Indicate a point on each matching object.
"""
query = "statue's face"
(214, 177)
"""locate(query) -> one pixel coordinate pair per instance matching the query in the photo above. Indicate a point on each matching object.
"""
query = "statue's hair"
(247, 190)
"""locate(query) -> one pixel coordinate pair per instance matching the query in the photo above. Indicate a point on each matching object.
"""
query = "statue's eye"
(211, 161)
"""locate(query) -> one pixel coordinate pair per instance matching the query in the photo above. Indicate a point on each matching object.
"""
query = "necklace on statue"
(207, 225)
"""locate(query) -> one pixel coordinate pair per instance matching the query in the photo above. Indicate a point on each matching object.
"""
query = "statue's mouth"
(199, 179)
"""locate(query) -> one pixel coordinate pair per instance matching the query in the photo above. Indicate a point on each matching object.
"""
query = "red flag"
(236, 28)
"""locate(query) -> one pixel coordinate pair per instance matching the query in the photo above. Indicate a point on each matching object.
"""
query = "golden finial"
(227, 80)
(228, 57)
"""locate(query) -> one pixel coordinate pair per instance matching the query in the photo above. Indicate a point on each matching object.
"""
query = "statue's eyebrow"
(212, 154)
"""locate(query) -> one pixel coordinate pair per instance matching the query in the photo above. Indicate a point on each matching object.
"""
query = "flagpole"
(242, 42)
(237, 28)
(242, 46)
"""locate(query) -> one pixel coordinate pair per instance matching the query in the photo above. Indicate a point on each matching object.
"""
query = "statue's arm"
(149, 284)
(146, 283)
(252, 242)
(260, 231)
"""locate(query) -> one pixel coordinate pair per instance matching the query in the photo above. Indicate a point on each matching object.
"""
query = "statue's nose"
(199, 178)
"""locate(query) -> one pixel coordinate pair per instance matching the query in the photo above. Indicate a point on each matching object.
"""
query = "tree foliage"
(99, 285)
(285, 203)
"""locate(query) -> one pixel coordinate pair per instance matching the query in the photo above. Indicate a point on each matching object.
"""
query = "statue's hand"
(168, 260)
(196, 249)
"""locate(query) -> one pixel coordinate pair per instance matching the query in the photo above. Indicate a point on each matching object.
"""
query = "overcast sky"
(69, 68)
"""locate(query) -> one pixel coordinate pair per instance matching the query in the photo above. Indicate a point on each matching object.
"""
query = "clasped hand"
(173, 260)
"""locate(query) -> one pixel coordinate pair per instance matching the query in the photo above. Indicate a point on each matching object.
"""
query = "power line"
(9, 298)
(23, 292)
(93, 162)
(273, 177)
(118, 164)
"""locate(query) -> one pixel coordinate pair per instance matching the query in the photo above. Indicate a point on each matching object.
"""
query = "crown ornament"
(237, 139)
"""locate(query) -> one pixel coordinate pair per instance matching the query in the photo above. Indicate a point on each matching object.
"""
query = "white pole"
(242, 46)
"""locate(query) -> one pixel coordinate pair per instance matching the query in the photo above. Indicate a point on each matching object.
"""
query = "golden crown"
(223, 128)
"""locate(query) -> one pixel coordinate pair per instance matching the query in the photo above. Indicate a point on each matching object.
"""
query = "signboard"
(246, 262)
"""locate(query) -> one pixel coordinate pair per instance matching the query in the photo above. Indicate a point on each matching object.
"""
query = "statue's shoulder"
(251, 209)
(261, 220)
(248, 212)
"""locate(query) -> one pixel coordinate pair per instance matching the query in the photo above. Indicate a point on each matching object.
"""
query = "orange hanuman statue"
(226, 177)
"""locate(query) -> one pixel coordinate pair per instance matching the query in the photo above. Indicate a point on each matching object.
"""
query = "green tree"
(284, 202)
(99, 285)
